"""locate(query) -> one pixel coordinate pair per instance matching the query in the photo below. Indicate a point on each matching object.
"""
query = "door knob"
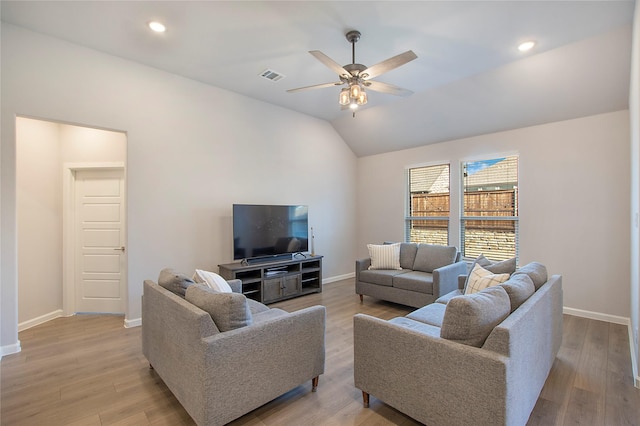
(120, 249)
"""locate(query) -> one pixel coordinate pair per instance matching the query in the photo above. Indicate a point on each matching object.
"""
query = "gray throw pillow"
(503, 267)
(408, 255)
(536, 271)
(469, 319)
(431, 256)
(228, 310)
(519, 288)
(174, 282)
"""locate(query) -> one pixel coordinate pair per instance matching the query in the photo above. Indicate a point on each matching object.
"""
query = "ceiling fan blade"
(387, 88)
(389, 64)
(315, 86)
(333, 65)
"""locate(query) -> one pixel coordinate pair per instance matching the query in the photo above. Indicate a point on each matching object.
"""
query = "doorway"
(48, 157)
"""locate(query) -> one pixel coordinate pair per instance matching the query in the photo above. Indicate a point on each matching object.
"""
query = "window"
(489, 221)
(427, 219)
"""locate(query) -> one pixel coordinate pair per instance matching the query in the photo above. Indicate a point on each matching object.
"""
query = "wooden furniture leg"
(361, 298)
(365, 399)
(314, 383)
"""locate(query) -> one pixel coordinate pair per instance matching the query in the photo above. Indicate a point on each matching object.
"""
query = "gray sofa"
(427, 273)
(219, 376)
(448, 364)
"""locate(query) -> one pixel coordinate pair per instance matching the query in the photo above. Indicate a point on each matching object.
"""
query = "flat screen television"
(261, 231)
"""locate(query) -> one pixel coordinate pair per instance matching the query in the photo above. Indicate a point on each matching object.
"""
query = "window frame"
(408, 198)
(462, 218)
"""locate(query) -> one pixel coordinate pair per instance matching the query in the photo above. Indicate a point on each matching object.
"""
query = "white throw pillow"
(385, 256)
(212, 280)
(480, 278)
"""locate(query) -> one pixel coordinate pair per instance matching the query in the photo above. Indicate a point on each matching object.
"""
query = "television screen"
(268, 230)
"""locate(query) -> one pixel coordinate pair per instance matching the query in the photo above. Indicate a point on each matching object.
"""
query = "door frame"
(69, 231)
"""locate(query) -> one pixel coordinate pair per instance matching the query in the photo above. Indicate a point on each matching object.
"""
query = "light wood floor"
(89, 370)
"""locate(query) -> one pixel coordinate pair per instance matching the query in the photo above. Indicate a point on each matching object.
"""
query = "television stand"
(274, 281)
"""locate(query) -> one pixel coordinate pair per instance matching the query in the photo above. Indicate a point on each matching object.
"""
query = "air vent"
(272, 75)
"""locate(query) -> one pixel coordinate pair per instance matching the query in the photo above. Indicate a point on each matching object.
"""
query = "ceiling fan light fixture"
(355, 90)
(344, 96)
(362, 99)
(353, 105)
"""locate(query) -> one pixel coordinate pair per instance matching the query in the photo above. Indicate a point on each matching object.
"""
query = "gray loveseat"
(457, 362)
(427, 273)
(219, 376)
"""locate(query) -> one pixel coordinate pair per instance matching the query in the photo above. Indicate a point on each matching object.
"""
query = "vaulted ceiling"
(469, 78)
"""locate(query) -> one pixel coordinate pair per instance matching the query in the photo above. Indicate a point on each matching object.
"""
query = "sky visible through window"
(476, 166)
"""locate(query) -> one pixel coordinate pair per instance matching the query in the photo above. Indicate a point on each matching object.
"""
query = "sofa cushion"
(480, 260)
(384, 256)
(536, 271)
(445, 299)
(519, 288)
(228, 310)
(256, 307)
(268, 315)
(212, 280)
(418, 326)
(422, 282)
(469, 319)
(174, 282)
(381, 276)
(480, 279)
(431, 314)
(431, 256)
(407, 255)
(503, 267)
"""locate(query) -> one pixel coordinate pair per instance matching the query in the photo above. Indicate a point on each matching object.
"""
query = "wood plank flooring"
(89, 370)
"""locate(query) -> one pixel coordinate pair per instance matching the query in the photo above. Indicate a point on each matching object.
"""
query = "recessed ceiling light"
(527, 45)
(157, 26)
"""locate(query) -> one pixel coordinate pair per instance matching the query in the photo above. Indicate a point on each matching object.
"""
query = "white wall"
(43, 148)
(634, 110)
(574, 201)
(192, 151)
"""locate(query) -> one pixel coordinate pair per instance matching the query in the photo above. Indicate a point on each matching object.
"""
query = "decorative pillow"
(385, 256)
(470, 319)
(212, 280)
(228, 310)
(431, 256)
(480, 260)
(503, 267)
(174, 282)
(519, 288)
(408, 255)
(480, 278)
(536, 271)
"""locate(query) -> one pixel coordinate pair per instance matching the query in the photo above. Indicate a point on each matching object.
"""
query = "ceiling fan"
(359, 77)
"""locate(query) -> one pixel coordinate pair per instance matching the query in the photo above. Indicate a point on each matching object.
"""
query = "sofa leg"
(151, 367)
(365, 399)
(314, 383)
(361, 298)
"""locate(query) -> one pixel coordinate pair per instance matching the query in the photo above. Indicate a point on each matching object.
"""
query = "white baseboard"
(338, 278)
(40, 320)
(136, 322)
(596, 316)
(10, 349)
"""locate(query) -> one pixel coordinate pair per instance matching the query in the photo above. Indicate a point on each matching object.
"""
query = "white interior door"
(100, 261)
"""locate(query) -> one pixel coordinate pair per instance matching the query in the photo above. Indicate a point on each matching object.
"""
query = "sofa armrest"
(257, 363)
(236, 285)
(429, 374)
(362, 265)
(462, 279)
(445, 279)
